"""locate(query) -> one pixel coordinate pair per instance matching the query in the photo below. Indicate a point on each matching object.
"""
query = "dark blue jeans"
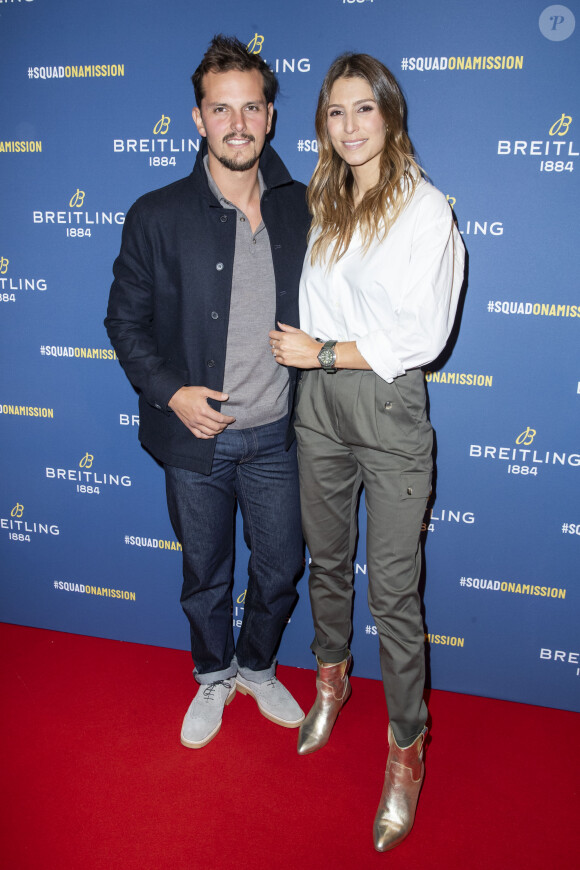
(252, 466)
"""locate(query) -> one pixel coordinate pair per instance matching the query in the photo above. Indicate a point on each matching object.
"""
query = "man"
(207, 266)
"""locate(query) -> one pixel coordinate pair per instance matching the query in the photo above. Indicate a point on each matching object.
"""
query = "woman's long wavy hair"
(330, 192)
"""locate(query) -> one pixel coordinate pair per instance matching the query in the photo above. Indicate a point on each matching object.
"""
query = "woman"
(379, 288)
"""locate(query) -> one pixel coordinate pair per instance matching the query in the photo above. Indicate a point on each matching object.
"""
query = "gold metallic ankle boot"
(403, 780)
(332, 692)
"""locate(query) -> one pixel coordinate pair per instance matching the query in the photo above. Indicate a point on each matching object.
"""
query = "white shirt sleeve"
(426, 300)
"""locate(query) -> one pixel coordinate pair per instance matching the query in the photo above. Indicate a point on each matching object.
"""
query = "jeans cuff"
(257, 676)
(216, 676)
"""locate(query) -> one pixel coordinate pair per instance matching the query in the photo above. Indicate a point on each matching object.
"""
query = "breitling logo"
(254, 46)
(561, 126)
(161, 128)
(90, 481)
(525, 459)
(20, 529)
(280, 64)
(79, 223)
(77, 199)
(526, 437)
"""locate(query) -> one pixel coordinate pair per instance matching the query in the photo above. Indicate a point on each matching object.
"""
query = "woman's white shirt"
(398, 299)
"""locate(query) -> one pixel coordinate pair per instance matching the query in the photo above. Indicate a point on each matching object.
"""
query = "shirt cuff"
(384, 363)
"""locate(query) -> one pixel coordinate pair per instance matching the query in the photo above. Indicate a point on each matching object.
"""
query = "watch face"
(327, 357)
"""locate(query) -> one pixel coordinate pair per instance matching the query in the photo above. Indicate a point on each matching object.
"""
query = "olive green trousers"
(354, 429)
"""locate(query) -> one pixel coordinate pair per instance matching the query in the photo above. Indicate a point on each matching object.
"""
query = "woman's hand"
(293, 347)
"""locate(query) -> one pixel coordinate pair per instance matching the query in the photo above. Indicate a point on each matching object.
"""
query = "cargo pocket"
(414, 492)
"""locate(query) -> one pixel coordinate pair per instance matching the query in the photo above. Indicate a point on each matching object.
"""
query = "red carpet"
(94, 775)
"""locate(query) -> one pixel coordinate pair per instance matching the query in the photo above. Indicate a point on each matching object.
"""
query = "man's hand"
(190, 405)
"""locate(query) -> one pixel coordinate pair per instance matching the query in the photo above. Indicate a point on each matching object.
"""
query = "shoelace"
(210, 689)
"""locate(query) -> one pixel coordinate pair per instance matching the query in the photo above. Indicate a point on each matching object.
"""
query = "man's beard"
(238, 167)
(234, 165)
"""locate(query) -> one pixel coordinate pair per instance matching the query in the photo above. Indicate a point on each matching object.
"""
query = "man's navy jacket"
(169, 304)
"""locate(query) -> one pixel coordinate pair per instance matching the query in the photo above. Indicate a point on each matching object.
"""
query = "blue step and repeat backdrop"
(95, 110)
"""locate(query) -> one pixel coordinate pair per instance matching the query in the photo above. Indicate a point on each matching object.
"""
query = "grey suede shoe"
(204, 717)
(274, 701)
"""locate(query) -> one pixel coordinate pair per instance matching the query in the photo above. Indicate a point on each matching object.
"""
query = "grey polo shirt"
(256, 384)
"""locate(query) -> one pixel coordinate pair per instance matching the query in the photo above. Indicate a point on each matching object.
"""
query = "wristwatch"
(327, 357)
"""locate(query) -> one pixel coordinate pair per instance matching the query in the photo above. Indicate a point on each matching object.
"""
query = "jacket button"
(223, 218)
(214, 315)
(219, 266)
(210, 364)
(388, 406)
(409, 490)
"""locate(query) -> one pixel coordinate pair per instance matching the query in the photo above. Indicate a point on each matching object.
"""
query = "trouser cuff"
(329, 656)
(216, 676)
(255, 676)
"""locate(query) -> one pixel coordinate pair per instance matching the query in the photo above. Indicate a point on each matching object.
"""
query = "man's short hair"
(227, 53)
